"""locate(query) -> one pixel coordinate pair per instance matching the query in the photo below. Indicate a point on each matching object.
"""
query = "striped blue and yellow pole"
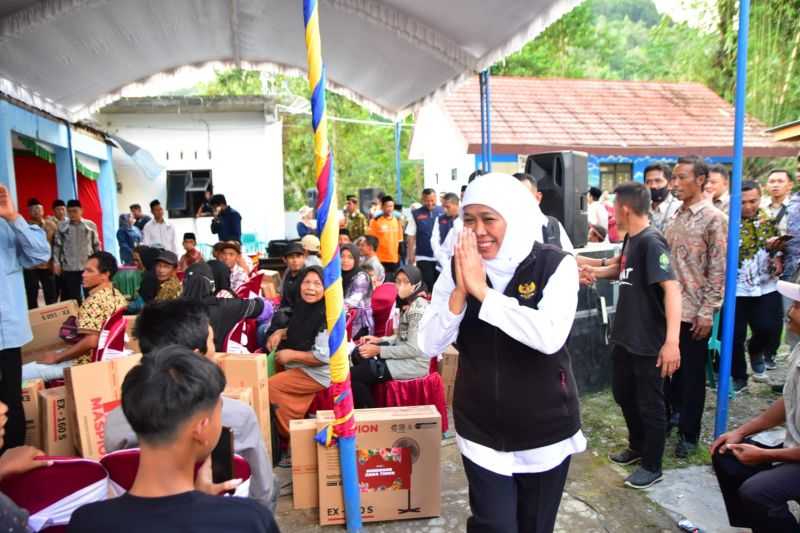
(342, 431)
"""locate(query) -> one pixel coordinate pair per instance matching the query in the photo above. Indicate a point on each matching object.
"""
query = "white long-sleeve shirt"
(160, 235)
(444, 251)
(544, 329)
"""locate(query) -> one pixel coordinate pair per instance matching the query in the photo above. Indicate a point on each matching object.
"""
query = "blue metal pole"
(398, 188)
(732, 262)
(488, 98)
(483, 121)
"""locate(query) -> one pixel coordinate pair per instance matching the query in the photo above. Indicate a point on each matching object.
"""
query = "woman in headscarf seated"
(302, 349)
(224, 313)
(145, 257)
(357, 288)
(399, 356)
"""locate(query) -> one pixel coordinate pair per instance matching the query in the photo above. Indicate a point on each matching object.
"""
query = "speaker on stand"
(563, 180)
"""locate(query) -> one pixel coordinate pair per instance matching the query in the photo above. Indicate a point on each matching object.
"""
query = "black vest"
(509, 396)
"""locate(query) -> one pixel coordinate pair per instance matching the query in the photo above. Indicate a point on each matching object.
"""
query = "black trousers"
(391, 270)
(362, 377)
(429, 272)
(11, 395)
(33, 279)
(756, 496)
(639, 391)
(686, 393)
(764, 315)
(72, 288)
(522, 503)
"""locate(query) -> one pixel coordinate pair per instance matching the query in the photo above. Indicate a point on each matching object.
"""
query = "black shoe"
(625, 457)
(673, 422)
(777, 388)
(643, 478)
(739, 385)
(685, 448)
(769, 362)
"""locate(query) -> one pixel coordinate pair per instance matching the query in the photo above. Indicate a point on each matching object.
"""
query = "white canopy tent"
(70, 57)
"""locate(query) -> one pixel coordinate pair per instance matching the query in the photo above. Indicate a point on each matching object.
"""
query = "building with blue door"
(623, 126)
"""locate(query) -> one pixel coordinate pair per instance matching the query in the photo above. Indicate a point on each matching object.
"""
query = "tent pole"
(488, 98)
(398, 188)
(483, 122)
(732, 263)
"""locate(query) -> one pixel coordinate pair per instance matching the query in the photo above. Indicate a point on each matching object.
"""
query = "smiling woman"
(509, 303)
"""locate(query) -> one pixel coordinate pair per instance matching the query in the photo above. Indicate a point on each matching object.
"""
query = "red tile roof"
(606, 116)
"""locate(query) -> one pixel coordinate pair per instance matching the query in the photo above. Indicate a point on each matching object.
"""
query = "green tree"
(233, 82)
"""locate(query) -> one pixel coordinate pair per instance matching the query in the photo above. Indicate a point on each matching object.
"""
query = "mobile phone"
(222, 457)
(785, 238)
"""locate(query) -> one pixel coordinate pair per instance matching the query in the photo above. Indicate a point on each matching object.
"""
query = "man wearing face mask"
(664, 204)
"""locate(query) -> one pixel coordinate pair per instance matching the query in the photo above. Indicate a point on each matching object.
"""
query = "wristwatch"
(603, 262)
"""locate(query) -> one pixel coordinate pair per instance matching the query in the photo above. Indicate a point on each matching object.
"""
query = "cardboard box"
(399, 461)
(131, 343)
(270, 283)
(448, 368)
(243, 395)
(45, 324)
(250, 371)
(93, 390)
(56, 428)
(305, 487)
(30, 404)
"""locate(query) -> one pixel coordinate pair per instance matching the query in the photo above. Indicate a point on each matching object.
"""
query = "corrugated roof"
(601, 116)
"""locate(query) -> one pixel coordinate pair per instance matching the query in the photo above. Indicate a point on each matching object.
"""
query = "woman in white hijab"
(509, 305)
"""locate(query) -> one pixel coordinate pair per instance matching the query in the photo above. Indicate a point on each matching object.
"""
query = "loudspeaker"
(365, 197)
(311, 199)
(563, 180)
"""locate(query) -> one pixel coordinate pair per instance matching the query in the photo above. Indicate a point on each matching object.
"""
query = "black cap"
(165, 256)
(189, 237)
(33, 201)
(58, 203)
(73, 203)
(294, 248)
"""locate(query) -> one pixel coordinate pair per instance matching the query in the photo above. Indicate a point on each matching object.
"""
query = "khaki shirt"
(697, 236)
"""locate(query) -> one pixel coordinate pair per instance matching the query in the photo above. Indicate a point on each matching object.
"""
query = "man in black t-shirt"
(646, 331)
(173, 402)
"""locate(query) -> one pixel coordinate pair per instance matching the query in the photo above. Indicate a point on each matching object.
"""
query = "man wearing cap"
(41, 274)
(229, 254)
(169, 286)
(227, 223)
(311, 246)
(295, 259)
(192, 254)
(758, 481)
(73, 243)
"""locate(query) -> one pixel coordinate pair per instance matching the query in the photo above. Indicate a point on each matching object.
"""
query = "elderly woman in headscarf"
(509, 301)
(302, 349)
(128, 238)
(224, 313)
(357, 288)
(398, 356)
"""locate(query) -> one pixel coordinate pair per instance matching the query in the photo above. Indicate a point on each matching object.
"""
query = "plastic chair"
(111, 343)
(238, 339)
(383, 305)
(252, 288)
(51, 494)
(123, 464)
(714, 347)
(428, 390)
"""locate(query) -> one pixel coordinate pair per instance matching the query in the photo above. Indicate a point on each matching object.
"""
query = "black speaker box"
(365, 197)
(563, 180)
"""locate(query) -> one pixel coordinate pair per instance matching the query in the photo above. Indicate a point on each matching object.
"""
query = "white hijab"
(506, 195)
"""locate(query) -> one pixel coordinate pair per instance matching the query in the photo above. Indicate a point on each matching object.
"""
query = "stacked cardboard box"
(250, 371)
(30, 404)
(244, 395)
(45, 324)
(305, 492)
(94, 390)
(448, 368)
(398, 459)
(56, 429)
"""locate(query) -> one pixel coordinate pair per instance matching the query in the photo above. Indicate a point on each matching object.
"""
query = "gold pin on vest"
(527, 290)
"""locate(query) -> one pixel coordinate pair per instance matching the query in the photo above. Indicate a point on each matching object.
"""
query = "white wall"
(442, 148)
(246, 164)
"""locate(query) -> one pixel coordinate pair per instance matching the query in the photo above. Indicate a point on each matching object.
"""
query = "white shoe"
(761, 377)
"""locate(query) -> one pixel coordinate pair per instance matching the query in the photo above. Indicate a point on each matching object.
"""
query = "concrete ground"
(594, 501)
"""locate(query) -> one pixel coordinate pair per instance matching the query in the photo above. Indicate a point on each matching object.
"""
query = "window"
(186, 191)
(454, 174)
(612, 174)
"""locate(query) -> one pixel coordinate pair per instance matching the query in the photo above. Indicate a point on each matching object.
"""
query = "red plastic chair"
(252, 288)
(51, 494)
(428, 390)
(242, 338)
(112, 337)
(123, 464)
(383, 305)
